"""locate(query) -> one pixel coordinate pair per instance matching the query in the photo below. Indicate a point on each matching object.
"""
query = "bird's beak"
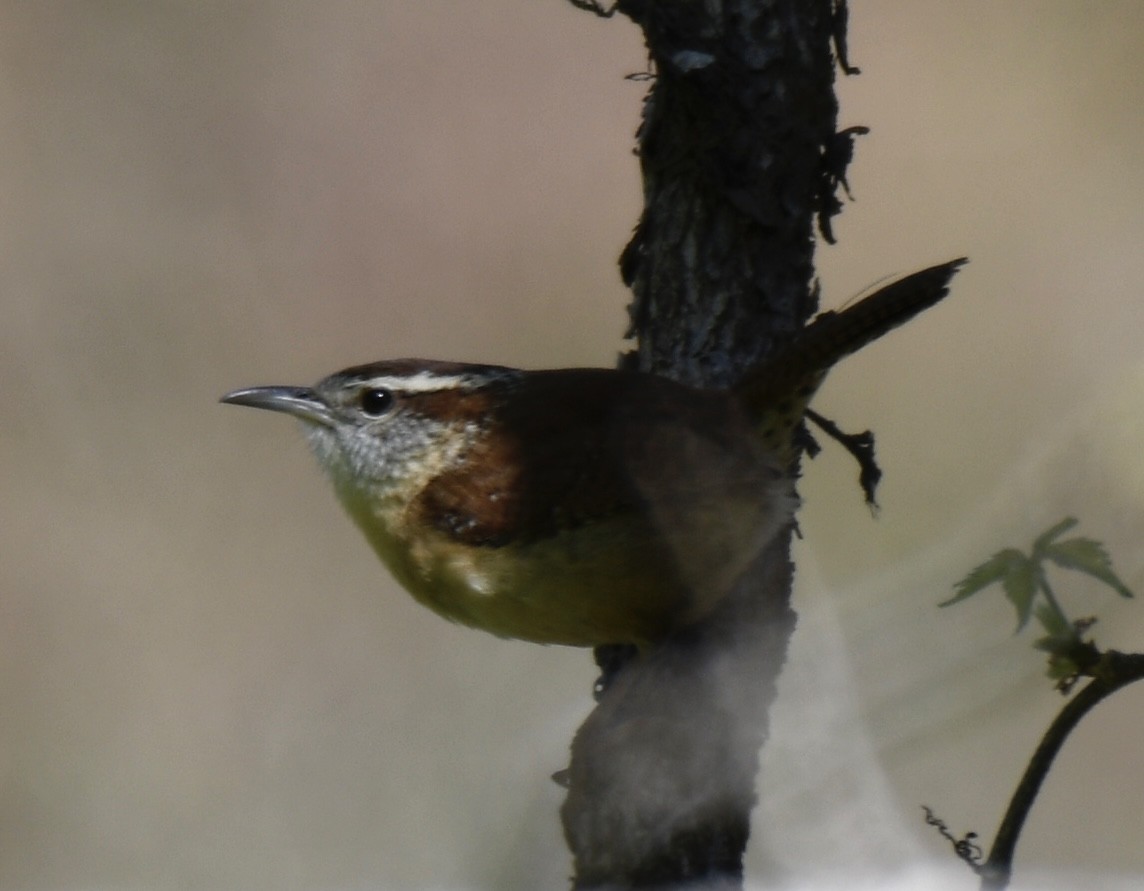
(301, 402)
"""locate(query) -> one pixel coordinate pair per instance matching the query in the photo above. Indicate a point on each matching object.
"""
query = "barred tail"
(777, 391)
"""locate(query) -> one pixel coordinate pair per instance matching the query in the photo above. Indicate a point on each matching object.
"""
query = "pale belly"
(582, 588)
(613, 581)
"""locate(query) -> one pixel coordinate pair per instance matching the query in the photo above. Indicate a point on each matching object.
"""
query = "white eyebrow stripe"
(422, 382)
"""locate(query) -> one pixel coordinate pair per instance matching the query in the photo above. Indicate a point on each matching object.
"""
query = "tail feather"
(780, 388)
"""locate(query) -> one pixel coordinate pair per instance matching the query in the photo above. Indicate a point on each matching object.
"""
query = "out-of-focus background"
(206, 681)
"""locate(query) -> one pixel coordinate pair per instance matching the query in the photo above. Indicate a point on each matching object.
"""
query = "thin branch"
(841, 26)
(596, 8)
(1116, 670)
(966, 847)
(861, 446)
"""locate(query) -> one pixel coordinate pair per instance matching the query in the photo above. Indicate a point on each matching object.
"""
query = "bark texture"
(738, 151)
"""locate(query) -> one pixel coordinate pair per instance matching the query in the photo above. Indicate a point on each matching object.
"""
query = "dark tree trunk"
(736, 148)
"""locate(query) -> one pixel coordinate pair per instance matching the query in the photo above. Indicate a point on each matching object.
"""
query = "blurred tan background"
(206, 682)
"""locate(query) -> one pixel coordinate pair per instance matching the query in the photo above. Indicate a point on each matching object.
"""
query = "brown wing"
(574, 447)
(550, 462)
(709, 487)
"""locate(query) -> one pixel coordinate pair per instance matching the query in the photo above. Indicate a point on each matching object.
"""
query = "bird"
(576, 506)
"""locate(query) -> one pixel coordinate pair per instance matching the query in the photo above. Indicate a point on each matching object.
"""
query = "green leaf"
(1087, 556)
(1048, 535)
(1061, 667)
(1020, 585)
(1057, 626)
(1017, 574)
(1063, 636)
(995, 569)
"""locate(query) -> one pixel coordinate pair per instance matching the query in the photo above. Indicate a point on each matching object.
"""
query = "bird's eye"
(375, 402)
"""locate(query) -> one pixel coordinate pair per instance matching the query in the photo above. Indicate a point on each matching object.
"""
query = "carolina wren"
(575, 506)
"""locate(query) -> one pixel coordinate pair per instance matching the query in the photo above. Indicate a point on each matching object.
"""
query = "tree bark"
(738, 150)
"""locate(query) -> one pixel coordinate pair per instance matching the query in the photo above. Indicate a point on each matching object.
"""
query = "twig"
(861, 446)
(596, 8)
(1116, 670)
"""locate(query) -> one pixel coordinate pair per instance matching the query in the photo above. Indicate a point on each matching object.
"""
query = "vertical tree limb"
(735, 133)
